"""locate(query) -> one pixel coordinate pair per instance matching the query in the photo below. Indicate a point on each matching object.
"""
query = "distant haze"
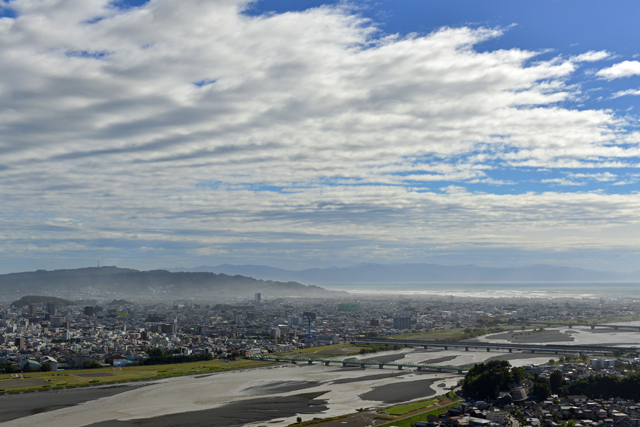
(419, 273)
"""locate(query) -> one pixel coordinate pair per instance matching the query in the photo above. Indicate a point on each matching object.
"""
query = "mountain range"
(420, 273)
(125, 281)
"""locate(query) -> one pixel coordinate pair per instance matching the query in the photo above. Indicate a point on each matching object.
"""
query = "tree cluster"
(485, 380)
(605, 387)
(176, 358)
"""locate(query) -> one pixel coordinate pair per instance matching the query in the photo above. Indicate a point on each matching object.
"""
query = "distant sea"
(606, 290)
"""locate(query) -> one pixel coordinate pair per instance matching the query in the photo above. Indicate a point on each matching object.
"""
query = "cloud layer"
(190, 130)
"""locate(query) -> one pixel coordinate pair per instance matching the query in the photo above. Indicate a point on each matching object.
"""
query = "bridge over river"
(533, 348)
(634, 326)
(362, 363)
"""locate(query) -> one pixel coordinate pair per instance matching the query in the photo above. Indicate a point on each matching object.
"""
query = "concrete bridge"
(533, 348)
(635, 326)
(356, 362)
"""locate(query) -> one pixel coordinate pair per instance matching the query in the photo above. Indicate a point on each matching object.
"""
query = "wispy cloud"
(561, 182)
(591, 56)
(600, 177)
(626, 92)
(620, 70)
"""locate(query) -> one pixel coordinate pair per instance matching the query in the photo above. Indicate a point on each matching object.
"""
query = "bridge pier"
(425, 347)
(380, 366)
(460, 371)
(446, 348)
(548, 325)
(400, 368)
(556, 352)
(570, 326)
(419, 368)
(593, 327)
(615, 328)
(294, 362)
(362, 365)
(277, 359)
(466, 349)
(344, 364)
(310, 362)
(510, 350)
(439, 369)
(488, 349)
(326, 363)
(533, 351)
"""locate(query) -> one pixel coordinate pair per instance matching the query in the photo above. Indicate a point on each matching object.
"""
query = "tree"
(541, 389)
(90, 364)
(485, 380)
(518, 374)
(556, 381)
(618, 353)
(155, 352)
(45, 367)
(10, 369)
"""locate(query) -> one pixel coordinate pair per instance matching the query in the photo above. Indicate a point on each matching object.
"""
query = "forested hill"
(129, 282)
(36, 299)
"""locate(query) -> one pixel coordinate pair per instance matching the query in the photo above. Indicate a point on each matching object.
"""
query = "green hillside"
(37, 299)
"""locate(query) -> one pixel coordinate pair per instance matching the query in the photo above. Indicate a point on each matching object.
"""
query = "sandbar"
(233, 414)
(16, 406)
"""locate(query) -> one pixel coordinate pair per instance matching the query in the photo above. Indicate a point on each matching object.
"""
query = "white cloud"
(591, 56)
(600, 177)
(108, 123)
(626, 92)
(561, 181)
(619, 70)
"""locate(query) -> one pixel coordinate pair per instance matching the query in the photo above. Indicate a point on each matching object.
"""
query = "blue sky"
(307, 134)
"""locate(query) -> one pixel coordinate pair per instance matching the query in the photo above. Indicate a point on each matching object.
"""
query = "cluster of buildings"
(553, 412)
(513, 409)
(118, 332)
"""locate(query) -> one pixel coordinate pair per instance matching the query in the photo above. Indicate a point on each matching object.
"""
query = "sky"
(297, 134)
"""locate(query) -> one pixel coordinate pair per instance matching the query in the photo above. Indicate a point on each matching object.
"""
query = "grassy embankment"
(336, 350)
(38, 381)
(402, 415)
(613, 319)
(414, 412)
(455, 334)
(459, 334)
(403, 409)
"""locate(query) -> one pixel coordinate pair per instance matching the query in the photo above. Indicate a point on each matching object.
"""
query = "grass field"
(335, 350)
(455, 334)
(410, 421)
(403, 409)
(85, 377)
